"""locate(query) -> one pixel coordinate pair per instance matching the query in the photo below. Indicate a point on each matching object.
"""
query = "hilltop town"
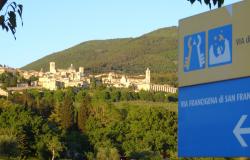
(57, 78)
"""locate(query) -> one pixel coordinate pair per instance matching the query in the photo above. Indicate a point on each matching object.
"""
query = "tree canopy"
(219, 3)
(8, 13)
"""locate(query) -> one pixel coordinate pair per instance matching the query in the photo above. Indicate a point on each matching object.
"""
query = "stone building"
(61, 78)
(137, 82)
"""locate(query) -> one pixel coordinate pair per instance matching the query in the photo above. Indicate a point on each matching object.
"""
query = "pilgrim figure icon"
(220, 46)
(194, 52)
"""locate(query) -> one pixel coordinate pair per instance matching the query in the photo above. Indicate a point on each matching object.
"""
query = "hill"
(157, 50)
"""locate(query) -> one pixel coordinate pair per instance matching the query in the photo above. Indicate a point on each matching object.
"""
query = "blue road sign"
(214, 119)
(214, 83)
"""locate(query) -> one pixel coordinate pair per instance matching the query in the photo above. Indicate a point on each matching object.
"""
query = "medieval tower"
(147, 79)
(52, 68)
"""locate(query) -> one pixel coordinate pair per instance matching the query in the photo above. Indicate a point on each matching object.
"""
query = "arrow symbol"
(238, 131)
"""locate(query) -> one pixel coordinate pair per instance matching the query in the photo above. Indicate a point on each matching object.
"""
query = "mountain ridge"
(156, 50)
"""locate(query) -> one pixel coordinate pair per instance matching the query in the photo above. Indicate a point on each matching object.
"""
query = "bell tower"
(147, 79)
(52, 68)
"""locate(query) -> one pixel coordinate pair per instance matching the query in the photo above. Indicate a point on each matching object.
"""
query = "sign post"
(214, 80)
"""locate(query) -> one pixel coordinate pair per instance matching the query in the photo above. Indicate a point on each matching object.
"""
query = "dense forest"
(97, 122)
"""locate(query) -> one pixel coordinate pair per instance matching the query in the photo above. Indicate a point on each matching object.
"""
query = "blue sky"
(53, 25)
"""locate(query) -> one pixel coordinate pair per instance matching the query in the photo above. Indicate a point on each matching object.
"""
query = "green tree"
(107, 153)
(27, 126)
(102, 154)
(106, 95)
(77, 144)
(43, 104)
(150, 129)
(116, 96)
(58, 97)
(219, 3)
(146, 95)
(128, 95)
(9, 79)
(54, 146)
(160, 97)
(8, 142)
(56, 113)
(83, 112)
(28, 99)
(67, 111)
(114, 154)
